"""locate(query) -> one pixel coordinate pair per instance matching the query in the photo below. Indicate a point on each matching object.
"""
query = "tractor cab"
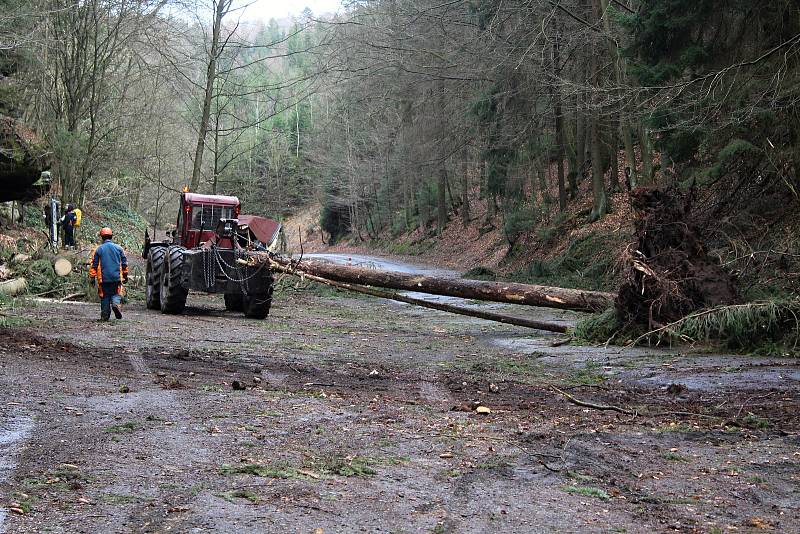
(200, 216)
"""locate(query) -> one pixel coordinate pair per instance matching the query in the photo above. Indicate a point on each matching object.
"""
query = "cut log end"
(62, 266)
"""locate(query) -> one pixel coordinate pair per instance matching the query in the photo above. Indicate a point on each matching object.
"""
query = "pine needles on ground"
(598, 327)
(771, 326)
(42, 279)
(762, 327)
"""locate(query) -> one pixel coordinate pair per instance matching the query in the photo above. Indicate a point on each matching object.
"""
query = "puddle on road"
(542, 347)
(381, 264)
(660, 367)
(14, 430)
(762, 378)
(645, 366)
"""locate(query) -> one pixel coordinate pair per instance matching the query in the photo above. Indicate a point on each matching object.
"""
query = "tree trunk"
(614, 185)
(600, 201)
(543, 186)
(297, 127)
(216, 153)
(221, 8)
(562, 190)
(600, 205)
(62, 266)
(441, 201)
(491, 205)
(572, 170)
(465, 192)
(454, 203)
(469, 312)
(513, 293)
(424, 212)
(619, 75)
(580, 134)
(13, 287)
(408, 202)
(647, 156)
(559, 123)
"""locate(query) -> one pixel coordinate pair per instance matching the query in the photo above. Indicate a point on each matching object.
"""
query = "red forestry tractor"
(210, 251)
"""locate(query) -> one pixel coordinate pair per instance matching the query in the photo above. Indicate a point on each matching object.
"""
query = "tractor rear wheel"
(257, 306)
(172, 293)
(155, 261)
(234, 302)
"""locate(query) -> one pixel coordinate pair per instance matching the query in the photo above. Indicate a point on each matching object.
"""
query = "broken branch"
(578, 402)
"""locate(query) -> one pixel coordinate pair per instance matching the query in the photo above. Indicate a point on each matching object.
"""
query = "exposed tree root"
(670, 273)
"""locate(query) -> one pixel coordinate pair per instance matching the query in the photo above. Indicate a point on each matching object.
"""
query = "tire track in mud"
(13, 432)
(165, 437)
(137, 362)
(435, 393)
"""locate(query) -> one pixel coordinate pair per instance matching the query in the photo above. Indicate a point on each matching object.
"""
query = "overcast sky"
(267, 9)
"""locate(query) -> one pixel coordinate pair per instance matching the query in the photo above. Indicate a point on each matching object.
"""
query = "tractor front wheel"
(172, 293)
(155, 262)
(234, 302)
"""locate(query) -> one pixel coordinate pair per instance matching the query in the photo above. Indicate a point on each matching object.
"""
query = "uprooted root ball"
(669, 273)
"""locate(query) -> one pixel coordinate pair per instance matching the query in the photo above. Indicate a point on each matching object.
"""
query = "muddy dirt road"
(344, 414)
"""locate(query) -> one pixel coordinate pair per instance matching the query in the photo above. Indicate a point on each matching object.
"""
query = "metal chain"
(209, 274)
(244, 283)
(222, 264)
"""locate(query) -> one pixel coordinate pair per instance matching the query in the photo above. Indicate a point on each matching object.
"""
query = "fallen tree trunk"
(13, 287)
(480, 314)
(512, 293)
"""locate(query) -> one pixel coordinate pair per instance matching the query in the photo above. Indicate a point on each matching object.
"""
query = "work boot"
(117, 311)
(105, 316)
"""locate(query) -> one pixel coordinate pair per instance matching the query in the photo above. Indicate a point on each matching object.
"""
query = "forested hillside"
(406, 119)
(520, 99)
(393, 109)
(122, 90)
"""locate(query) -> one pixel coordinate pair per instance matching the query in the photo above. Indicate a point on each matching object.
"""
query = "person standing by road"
(68, 220)
(109, 270)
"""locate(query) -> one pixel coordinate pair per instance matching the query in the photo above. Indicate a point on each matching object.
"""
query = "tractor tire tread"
(155, 262)
(234, 302)
(257, 306)
(173, 294)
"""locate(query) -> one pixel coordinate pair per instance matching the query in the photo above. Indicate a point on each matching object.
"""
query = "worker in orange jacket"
(109, 269)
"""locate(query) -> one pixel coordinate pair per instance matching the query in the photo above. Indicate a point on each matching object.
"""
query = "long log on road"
(508, 292)
(469, 312)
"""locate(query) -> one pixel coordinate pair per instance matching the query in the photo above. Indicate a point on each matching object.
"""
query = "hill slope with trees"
(516, 129)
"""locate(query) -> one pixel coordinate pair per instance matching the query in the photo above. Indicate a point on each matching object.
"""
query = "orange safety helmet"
(106, 232)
